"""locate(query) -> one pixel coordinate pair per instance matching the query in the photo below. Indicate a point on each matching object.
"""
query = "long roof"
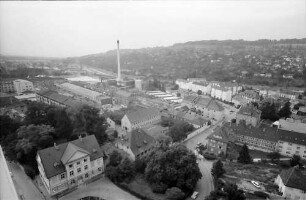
(294, 178)
(52, 158)
(219, 134)
(142, 114)
(62, 99)
(249, 110)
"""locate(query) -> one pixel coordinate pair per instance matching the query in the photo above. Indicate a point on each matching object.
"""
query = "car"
(256, 184)
(195, 195)
(210, 156)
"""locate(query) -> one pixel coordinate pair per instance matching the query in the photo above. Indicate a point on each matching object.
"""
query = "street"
(23, 184)
(205, 184)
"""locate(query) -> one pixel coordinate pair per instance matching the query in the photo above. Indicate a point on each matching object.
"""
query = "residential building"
(250, 114)
(288, 94)
(139, 118)
(292, 183)
(194, 85)
(7, 85)
(137, 144)
(221, 93)
(250, 96)
(218, 141)
(22, 86)
(288, 76)
(293, 125)
(65, 166)
(291, 143)
(189, 116)
(263, 138)
(156, 130)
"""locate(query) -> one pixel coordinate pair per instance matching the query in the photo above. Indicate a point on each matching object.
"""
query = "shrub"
(29, 172)
(175, 193)
(261, 194)
(159, 188)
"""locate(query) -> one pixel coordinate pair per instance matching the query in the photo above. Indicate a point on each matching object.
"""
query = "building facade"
(65, 166)
(140, 118)
(22, 86)
(249, 114)
(218, 141)
(7, 85)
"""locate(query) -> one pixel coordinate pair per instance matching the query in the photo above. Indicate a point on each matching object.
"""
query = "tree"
(295, 160)
(274, 156)
(37, 113)
(175, 193)
(87, 119)
(285, 111)
(8, 126)
(127, 170)
(115, 158)
(269, 112)
(199, 92)
(298, 105)
(217, 170)
(174, 166)
(244, 155)
(233, 193)
(179, 131)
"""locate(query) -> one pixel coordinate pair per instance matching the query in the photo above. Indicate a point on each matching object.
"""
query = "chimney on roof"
(55, 146)
(80, 138)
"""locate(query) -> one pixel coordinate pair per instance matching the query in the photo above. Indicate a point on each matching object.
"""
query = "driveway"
(205, 184)
(102, 188)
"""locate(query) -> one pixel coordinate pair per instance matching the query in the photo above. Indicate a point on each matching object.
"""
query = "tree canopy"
(175, 166)
(285, 111)
(179, 131)
(244, 155)
(217, 170)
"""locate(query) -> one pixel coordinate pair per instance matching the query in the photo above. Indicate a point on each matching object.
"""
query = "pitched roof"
(140, 141)
(219, 134)
(51, 158)
(292, 137)
(155, 130)
(294, 178)
(142, 114)
(62, 99)
(249, 110)
(214, 105)
(71, 149)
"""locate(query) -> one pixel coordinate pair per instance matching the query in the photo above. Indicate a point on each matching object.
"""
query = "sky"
(66, 29)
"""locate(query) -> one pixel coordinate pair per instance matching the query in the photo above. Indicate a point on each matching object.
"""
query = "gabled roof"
(214, 105)
(142, 114)
(294, 178)
(140, 141)
(51, 158)
(71, 149)
(249, 110)
(219, 134)
(292, 137)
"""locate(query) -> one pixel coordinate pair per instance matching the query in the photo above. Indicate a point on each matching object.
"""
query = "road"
(205, 184)
(23, 184)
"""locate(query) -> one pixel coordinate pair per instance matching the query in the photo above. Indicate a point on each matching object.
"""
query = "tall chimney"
(118, 60)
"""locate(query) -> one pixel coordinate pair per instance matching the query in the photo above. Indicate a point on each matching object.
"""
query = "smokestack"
(118, 60)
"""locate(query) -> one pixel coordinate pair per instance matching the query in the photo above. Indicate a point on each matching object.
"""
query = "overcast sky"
(61, 29)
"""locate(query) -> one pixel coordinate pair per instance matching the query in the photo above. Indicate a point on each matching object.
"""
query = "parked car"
(256, 184)
(195, 195)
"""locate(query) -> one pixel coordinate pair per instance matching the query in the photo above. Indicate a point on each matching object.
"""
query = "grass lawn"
(265, 174)
(141, 186)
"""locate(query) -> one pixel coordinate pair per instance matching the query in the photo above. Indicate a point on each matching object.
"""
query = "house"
(188, 116)
(250, 96)
(292, 183)
(137, 144)
(248, 113)
(218, 141)
(65, 166)
(221, 93)
(22, 86)
(156, 130)
(7, 85)
(288, 94)
(139, 118)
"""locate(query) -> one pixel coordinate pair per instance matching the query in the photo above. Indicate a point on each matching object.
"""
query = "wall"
(289, 149)
(292, 125)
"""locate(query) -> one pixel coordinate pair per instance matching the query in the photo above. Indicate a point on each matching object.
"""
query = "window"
(99, 169)
(85, 167)
(79, 170)
(78, 163)
(71, 173)
(298, 147)
(72, 181)
(71, 165)
(85, 160)
(86, 175)
(62, 176)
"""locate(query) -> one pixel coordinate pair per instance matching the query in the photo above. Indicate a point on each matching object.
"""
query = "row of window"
(78, 163)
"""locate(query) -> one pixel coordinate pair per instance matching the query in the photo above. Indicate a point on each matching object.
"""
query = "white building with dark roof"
(140, 118)
(65, 166)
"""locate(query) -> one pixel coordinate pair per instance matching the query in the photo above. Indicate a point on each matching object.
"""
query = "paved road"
(205, 184)
(24, 185)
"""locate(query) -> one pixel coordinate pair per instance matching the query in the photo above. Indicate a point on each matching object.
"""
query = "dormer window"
(71, 165)
(85, 160)
(62, 176)
(78, 163)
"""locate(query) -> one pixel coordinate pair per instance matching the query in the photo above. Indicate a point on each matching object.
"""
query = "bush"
(261, 194)
(159, 188)
(175, 193)
(29, 172)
